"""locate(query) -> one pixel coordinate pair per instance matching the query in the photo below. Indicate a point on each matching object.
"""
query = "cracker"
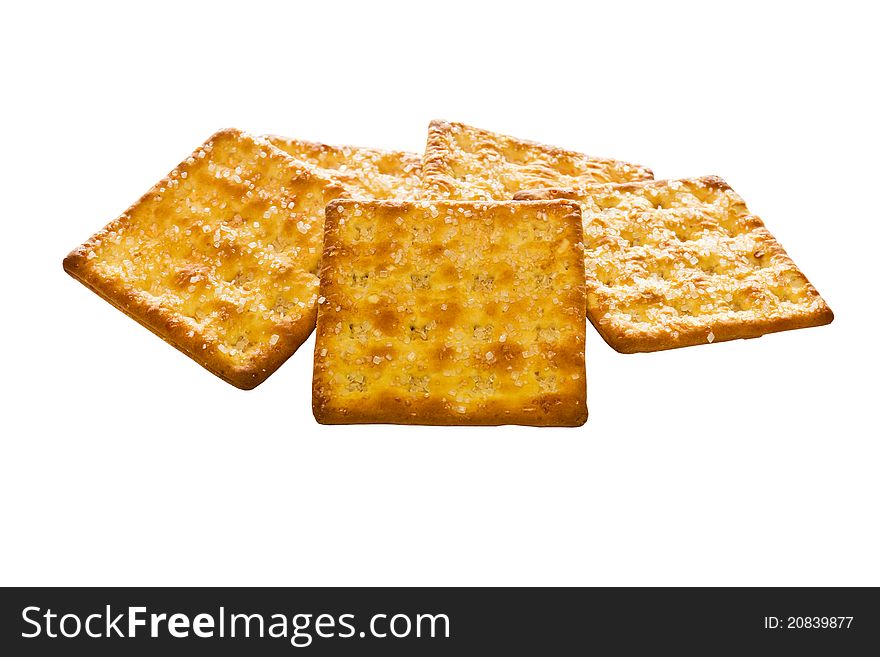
(673, 263)
(219, 258)
(365, 173)
(462, 162)
(451, 313)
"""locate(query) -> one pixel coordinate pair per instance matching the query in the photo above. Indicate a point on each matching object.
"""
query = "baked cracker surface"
(220, 258)
(673, 263)
(463, 162)
(451, 313)
(365, 173)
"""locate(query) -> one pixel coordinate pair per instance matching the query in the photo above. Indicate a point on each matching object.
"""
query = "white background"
(741, 463)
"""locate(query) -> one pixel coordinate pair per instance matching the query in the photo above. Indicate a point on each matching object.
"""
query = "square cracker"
(219, 258)
(463, 162)
(364, 173)
(451, 313)
(672, 263)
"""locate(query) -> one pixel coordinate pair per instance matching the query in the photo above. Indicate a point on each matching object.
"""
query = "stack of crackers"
(450, 288)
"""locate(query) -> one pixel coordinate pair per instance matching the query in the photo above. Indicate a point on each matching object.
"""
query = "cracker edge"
(560, 416)
(721, 331)
(164, 323)
(406, 156)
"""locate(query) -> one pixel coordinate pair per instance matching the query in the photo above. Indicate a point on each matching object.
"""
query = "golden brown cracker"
(463, 162)
(672, 263)
(365, 173)
(219, 258)
(451, 313)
